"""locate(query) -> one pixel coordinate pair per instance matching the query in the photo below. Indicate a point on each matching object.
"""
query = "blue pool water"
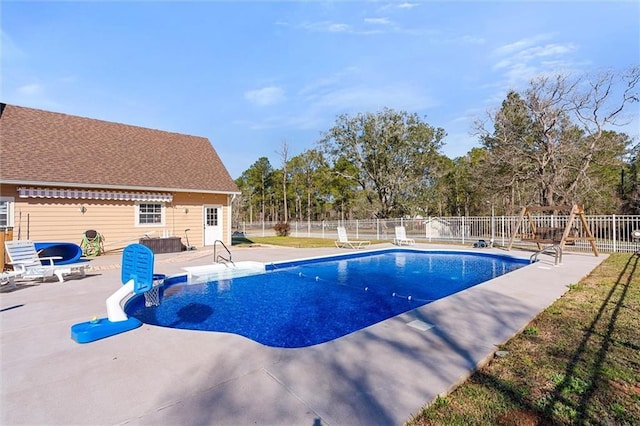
(304, 303)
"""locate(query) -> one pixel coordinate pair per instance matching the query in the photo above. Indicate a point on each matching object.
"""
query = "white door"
(212, 224)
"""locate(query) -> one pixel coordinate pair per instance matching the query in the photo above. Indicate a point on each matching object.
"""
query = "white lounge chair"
(27, 265)
(8, 277)
(343, 240)
(401, 237)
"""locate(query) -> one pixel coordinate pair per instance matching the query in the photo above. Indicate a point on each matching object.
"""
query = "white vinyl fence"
(613, 233)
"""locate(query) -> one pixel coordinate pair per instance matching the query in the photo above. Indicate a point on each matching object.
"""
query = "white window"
(150, 214)
(6, 212)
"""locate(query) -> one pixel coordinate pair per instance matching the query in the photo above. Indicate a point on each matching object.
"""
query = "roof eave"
(116, 187)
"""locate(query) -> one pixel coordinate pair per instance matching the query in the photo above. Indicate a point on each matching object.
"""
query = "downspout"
(229, 224)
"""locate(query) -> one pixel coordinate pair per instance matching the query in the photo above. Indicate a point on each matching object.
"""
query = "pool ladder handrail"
(218, 258)
(557, 252)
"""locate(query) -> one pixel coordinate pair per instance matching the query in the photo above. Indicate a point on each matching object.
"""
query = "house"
(61, 175)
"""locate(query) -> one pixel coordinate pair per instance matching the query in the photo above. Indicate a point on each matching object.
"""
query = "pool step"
(222, 271)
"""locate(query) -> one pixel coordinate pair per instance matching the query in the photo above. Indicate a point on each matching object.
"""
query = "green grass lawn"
(578, 362)
(299, 242)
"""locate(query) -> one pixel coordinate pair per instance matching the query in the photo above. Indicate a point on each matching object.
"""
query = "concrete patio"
(380, 375)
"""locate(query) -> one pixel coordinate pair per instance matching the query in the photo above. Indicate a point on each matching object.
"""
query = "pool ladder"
(218, 258)
(557, 252)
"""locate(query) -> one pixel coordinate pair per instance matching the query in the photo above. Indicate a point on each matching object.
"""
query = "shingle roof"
(46, 147)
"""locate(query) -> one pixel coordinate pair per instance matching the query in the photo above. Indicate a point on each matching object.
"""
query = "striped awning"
(90, 194)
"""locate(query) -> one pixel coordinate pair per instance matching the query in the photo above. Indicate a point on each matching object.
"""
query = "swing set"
(545, 229)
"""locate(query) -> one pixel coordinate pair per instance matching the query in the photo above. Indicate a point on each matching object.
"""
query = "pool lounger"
(8, 277)
(75, 268)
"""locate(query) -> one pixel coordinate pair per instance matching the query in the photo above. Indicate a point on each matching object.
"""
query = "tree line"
(550, 144)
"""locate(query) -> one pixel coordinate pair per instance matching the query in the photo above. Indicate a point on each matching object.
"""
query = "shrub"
(282, 229)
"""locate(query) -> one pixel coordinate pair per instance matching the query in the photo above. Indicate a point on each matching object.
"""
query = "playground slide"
(69, 252)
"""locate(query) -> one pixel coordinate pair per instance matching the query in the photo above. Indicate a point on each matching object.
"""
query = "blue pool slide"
(69, 252)
(137, 277)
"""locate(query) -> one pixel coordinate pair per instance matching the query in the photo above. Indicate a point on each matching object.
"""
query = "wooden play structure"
(551, 230)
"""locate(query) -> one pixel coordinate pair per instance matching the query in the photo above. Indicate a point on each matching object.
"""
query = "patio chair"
(343, 240)
(8, 277)
(27, 265)
(401, 237)
(92, 243)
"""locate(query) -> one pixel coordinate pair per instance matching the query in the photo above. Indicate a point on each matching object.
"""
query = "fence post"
(357, 229)
(502, 229)
(377, 229)
(613, 232)
(462, 217)
(323, 229)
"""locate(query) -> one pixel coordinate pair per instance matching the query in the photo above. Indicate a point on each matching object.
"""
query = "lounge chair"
(27, 265)
(401, 237)
(8, 277)
(343, 240)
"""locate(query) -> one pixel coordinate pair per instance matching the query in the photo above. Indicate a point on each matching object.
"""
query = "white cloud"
(362, 98)
(33, 95)
(319, 110)
(341, 27)
(266, 96)
(511, 48)
(326, 26)
(355, 89)
(338, 28)
(522, 60)
(377, 21)
(536, 52)
(33, 89)
(407, 5)
(394, 5)
(520, 45)
(502, 64)
(346, 91)
(530, 49)
(330, 81)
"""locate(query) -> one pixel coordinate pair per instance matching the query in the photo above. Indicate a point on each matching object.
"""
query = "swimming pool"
(312, 301)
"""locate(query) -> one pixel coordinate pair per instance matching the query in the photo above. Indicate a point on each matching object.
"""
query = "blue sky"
(252, 75)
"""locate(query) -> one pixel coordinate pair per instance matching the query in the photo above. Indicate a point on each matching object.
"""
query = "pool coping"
(380, 375)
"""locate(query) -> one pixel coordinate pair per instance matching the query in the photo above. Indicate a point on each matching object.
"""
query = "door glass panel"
(212, 217)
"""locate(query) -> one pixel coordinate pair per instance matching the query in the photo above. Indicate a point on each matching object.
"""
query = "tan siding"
(45, 219)
(194, 220)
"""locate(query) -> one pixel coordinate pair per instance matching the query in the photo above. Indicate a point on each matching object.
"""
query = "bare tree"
(284, 155)
(599, 105)
(547, 140)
